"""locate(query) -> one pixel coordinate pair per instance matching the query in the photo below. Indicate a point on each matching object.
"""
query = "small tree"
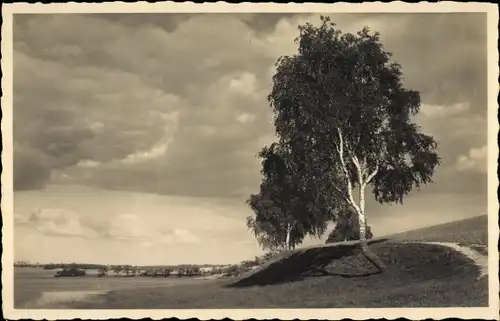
(102, 271)
(233, 270)
(195, 270)
(127, 270)
(347, 228)
(117, 270)
(286, 207)
(341, 108)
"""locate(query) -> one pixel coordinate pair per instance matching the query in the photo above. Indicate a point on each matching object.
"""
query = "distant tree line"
(188, 270)
(83, 266)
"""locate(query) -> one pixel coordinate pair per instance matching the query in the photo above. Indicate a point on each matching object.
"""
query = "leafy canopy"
(341, 101)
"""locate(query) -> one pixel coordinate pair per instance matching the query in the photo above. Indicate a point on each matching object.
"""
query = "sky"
(135, 135)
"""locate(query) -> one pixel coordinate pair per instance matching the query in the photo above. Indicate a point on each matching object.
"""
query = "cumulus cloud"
(245, 118)
(57, 222)
(444, 111)
(89, 116)
(127, 227)
(178, 236)
(32, 168)
(88, 163)
(130, 227)
(160, 148)
(122, 227)
(475, 160)
(185, 111)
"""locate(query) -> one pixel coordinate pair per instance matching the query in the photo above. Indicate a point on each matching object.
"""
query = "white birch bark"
(288, 232)
(359, 208)
(361, 214)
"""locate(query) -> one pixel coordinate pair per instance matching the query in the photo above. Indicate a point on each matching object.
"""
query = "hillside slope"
(471, 231)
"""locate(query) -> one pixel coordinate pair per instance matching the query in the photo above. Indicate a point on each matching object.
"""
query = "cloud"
(444, 111)
(57, 222)
(178, 236)
(475, 160)
(137, 229)
(82, 121)
(88, 163)
(245, 118)
(32, 168)
(160, 148)
(127, 227)
(123, 227)
(186, 112)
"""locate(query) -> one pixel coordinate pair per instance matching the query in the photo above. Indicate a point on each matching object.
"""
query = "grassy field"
(418, 275)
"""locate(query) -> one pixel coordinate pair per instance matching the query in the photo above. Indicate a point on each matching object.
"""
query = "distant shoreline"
(37, 289)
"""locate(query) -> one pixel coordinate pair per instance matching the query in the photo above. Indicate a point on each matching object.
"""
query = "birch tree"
(341, 108)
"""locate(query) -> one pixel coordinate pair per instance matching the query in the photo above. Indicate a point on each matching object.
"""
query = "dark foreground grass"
(418, 275)
(308, 261)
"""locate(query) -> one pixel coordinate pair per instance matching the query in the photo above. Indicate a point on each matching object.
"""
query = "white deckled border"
(490, 312)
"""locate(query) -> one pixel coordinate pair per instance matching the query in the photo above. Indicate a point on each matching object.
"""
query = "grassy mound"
(292, 266)
(418, 275)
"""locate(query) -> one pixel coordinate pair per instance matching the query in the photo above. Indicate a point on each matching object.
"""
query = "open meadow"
(332, 276)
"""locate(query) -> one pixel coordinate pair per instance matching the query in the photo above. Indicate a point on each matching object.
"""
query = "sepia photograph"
(185, 160)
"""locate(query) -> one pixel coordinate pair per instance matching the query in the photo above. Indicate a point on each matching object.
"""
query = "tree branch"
(364, 169)
(342, 193)
(358, 168)
(371, 176)
(351, 152)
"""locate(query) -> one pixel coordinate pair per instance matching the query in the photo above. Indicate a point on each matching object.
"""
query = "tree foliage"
(346, 83)
(286, 209)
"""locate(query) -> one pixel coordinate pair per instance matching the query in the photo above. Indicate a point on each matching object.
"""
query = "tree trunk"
(370, 256)
(288, 232)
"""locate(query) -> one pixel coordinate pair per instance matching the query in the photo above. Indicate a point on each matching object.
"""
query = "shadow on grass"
(304, 263)
(325, 272)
